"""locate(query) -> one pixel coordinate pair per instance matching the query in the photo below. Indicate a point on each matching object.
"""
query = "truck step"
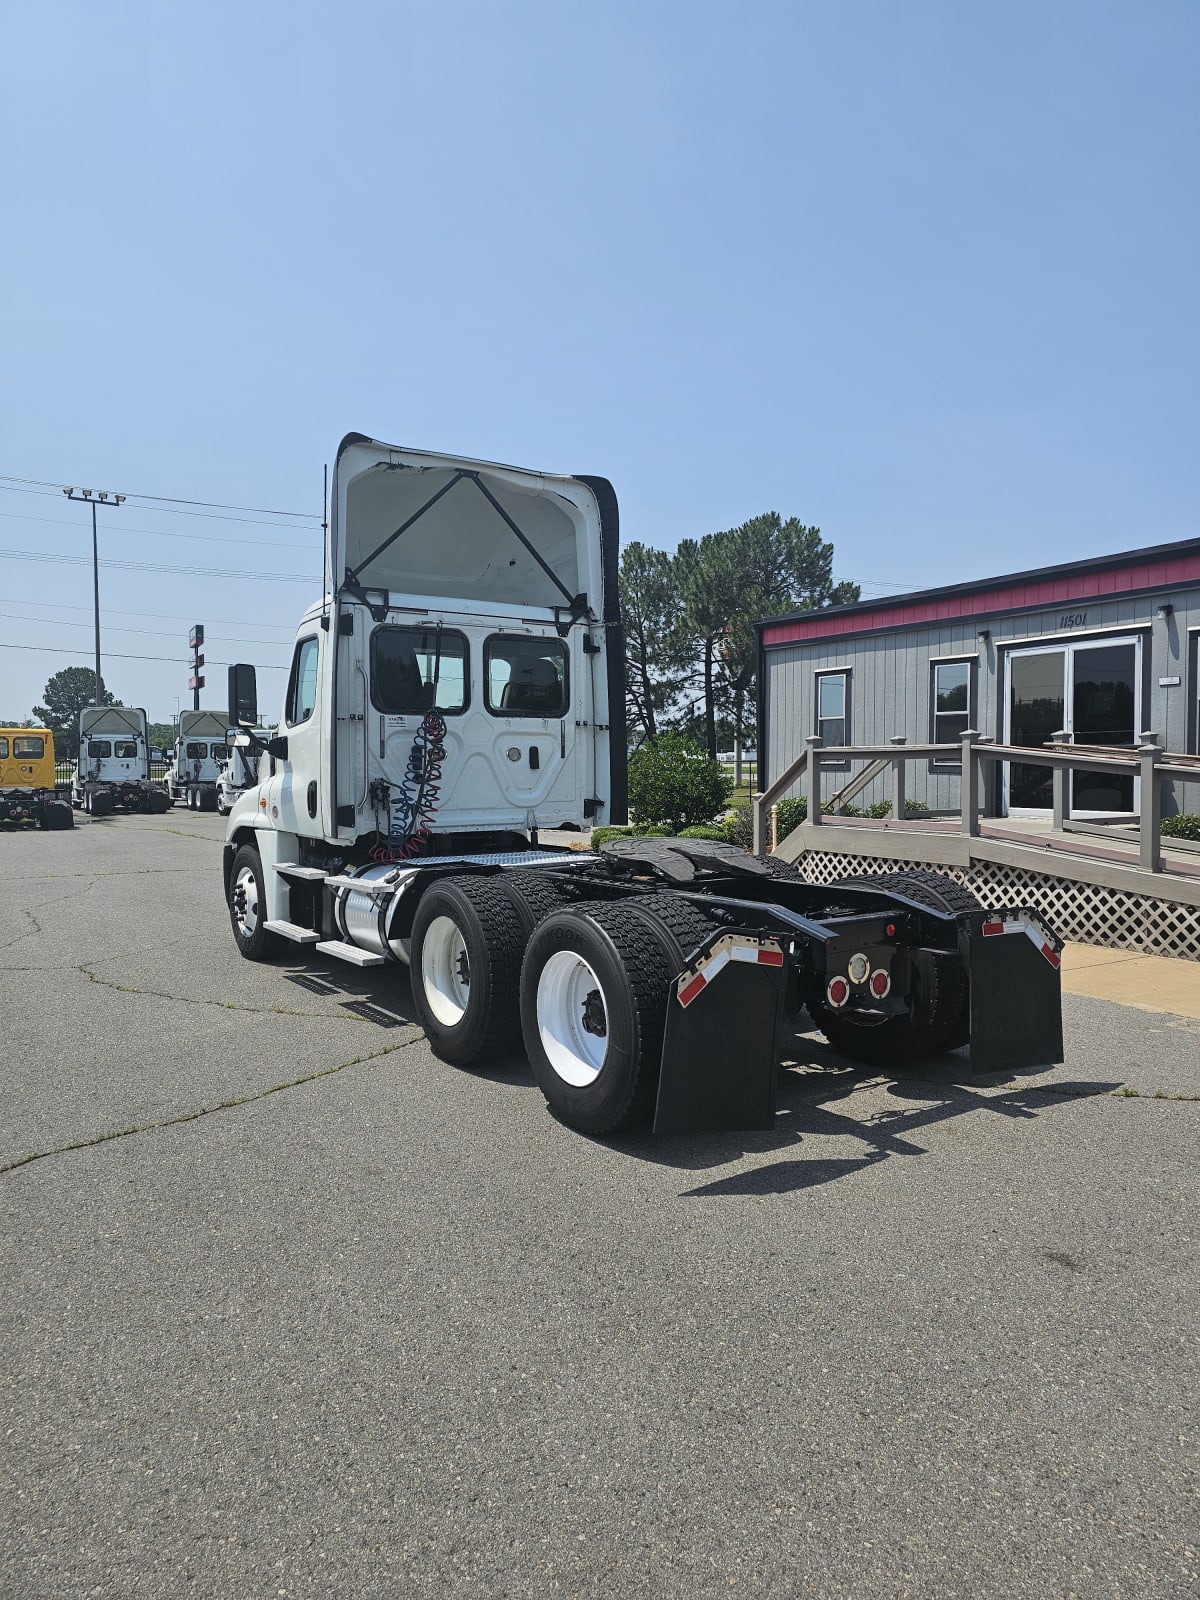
(349, 952)
(293, 931)
(308, 874)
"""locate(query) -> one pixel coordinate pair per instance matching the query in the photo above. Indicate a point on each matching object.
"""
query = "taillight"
(881, 983)
(837, 992)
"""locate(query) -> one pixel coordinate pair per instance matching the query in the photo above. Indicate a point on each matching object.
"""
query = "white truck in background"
(240, 771)
(196, 758)
(113, 769)
(459, 688)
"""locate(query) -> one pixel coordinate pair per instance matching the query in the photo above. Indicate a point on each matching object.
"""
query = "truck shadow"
(816, 1088)
(813, 1103)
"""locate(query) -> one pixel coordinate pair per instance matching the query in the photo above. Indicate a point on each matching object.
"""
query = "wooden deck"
(1108, 856)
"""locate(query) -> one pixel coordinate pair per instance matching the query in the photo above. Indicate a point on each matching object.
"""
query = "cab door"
(534, 696)
(294, 791)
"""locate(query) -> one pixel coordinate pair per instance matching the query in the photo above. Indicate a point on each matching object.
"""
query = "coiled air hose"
(415, 803)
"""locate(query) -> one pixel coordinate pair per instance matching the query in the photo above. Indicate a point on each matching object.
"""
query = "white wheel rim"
(445, 971)
(569, 994)
(245, 901)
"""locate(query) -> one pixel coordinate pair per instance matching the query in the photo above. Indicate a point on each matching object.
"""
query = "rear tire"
(594, 988)
(532, 896)
(248, 907)
(778, 868)
(465, 965)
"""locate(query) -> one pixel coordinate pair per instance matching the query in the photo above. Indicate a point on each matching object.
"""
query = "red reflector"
(688, 994)
(993, 927)
(890, 930)
(770, 958)
(1050, 956)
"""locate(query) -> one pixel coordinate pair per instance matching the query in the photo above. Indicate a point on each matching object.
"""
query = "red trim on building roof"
(1013, 597)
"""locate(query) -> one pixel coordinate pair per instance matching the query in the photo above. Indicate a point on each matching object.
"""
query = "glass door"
(1037, 707)
(1104, 685)
(1090, 689)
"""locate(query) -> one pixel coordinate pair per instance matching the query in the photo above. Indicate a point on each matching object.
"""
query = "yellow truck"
(27, 792)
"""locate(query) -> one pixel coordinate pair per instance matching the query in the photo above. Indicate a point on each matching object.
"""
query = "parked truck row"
(459, 689)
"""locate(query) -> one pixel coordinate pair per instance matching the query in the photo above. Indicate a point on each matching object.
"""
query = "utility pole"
(101, 497)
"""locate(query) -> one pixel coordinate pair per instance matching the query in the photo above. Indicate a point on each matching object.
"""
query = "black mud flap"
(720, 1061)
(1016, 991)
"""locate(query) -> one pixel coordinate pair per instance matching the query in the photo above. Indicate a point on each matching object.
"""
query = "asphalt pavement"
(291, 1308)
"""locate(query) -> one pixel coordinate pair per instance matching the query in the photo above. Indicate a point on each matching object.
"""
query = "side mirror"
(237, 740)
(243, 696)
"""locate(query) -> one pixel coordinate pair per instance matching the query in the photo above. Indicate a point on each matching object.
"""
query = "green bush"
(1184, 826)
(673, 781)
(738, 827)
(790, 814)
(883, 808)
(703, 831)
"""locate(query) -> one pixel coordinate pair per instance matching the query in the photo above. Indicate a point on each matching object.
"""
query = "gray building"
(1105, 649)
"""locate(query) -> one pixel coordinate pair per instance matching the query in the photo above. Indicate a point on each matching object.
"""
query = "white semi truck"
(458, 689)
(240, 771)
(196, 759)
(113, 769)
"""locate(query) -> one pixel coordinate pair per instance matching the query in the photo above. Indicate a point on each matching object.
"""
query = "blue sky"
(923, 274)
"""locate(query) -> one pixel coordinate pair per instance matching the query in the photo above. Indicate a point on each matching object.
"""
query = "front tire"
(465, 961)
(248, 907)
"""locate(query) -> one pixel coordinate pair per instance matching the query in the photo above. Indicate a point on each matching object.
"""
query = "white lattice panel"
(1080, 911)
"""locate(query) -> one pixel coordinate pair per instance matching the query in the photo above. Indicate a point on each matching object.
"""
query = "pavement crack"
(29, 933)
(204, 1000)
(209, 1111)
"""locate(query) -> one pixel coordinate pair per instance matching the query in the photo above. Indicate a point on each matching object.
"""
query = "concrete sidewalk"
(1152, 983)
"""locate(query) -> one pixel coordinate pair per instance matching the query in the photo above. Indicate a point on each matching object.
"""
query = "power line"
(224, 622)
(149, 633)
(161, 533)
(56, 650)
(171, 499)
(156, 566)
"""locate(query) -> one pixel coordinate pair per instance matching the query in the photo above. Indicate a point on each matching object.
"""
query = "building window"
(833, 707)
(951, 695)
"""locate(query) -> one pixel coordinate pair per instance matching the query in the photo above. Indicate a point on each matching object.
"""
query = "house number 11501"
(1073, 619)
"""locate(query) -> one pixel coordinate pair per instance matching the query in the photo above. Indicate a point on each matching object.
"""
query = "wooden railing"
(1148, 761)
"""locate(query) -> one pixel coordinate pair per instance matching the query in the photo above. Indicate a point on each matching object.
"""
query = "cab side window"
(3, 749)
(302, 685)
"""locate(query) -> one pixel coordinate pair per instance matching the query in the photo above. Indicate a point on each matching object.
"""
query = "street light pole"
(102, 497)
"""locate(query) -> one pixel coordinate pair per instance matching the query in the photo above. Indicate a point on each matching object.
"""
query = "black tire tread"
(649, 976)
(683, 919)
(532, 894)
(778, 868)
(505, 939)
(931, 889)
